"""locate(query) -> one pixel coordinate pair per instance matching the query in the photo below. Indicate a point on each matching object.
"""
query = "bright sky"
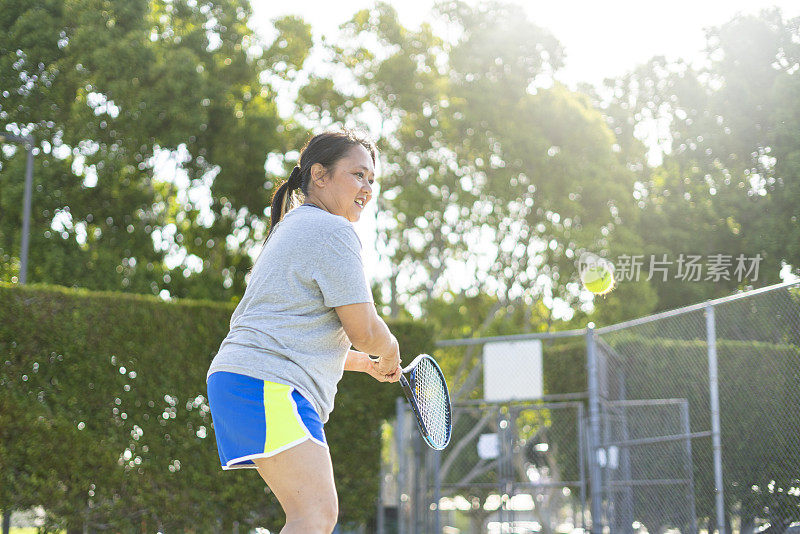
(602, 39)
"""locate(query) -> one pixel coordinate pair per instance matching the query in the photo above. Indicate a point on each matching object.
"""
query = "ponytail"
(283, 198)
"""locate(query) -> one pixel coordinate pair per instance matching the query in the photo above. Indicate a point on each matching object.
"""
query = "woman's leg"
(302, 479)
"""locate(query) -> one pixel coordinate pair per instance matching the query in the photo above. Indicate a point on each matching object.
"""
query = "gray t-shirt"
(285, 328)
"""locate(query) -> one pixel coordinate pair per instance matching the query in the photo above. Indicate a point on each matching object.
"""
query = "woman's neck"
(316, 202)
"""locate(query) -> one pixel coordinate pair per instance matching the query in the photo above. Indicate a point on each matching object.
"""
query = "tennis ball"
(598, 278)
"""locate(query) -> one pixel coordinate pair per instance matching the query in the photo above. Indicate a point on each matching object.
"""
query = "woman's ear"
(318, 174)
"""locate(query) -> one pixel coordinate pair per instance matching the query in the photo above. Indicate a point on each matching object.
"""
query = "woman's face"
(347, 188)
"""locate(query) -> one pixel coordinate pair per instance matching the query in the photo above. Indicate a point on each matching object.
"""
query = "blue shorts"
(255, 418)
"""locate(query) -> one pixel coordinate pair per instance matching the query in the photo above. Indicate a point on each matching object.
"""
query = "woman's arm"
(369, 333)
(357, 361)
(360, 361)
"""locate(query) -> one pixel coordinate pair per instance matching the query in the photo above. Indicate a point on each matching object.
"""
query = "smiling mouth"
(360, 202)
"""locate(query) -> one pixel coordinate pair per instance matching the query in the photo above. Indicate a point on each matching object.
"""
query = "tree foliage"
(130, 103)
(728, 171)
(486, 175)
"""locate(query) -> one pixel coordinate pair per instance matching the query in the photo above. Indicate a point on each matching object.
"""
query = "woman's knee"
(328, 516)
(332, 512)
(319, 516)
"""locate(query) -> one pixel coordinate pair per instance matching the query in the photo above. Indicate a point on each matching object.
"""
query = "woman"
(272, 383)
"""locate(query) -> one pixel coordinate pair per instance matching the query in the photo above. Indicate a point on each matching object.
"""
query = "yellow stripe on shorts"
(283, 423)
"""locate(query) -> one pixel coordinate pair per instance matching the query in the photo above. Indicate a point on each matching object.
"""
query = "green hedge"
(104, 418)
(564, 366)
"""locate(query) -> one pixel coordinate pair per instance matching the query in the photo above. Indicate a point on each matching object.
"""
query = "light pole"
(27, 141)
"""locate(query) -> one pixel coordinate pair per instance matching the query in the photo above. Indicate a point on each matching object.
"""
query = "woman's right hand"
(377, 374)
(388, 364)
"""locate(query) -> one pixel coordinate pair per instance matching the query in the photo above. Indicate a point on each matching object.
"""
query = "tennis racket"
(426, 391)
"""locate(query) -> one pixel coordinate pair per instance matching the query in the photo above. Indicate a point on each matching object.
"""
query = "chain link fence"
(684, 421)
(512, 465)
(699, 414)
(510, 468)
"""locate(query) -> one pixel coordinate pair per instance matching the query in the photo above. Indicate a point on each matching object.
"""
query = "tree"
(117, 94)
(488, 177)
(725, 181)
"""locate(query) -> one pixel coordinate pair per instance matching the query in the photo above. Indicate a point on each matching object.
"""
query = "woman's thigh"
(302, 479)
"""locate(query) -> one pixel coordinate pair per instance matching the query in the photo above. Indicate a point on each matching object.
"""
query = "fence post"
(713, 386)
(689, 465)
(401, 468)
(437, 489)
(582, 463)
(594, 430)
(381, 519)
(26, 215)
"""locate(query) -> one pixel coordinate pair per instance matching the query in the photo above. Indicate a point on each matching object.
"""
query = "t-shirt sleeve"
(339, 270)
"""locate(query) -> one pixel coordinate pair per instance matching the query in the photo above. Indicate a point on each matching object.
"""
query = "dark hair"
(326, 149)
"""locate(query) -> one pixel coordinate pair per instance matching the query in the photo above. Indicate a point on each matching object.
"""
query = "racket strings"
(432, 401)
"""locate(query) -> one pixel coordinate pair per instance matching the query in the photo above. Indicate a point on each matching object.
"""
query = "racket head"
(426, 390)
